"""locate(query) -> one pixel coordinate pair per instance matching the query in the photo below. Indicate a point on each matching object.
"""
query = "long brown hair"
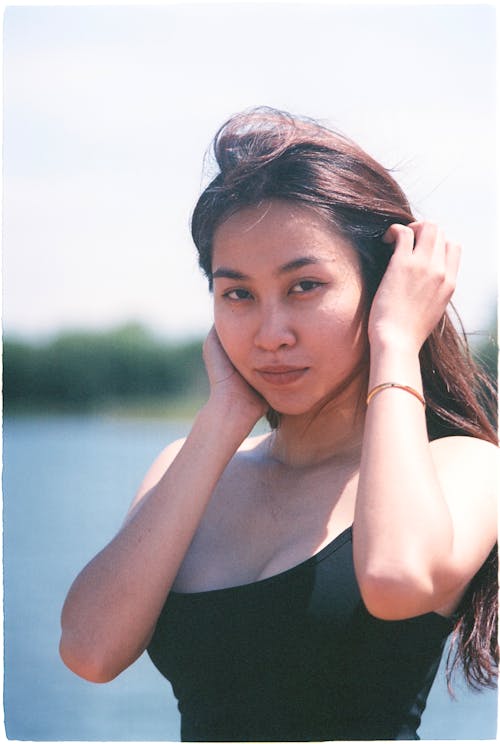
(267, 154)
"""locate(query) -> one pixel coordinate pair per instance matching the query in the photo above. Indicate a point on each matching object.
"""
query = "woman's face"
(288, 303)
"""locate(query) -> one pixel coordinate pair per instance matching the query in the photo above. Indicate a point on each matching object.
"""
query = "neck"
(333, 431)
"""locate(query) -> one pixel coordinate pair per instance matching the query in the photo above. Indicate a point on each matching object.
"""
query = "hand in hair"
(416, 287)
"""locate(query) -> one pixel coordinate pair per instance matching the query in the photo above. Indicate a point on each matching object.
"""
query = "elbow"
(85, 663)
(396, 594)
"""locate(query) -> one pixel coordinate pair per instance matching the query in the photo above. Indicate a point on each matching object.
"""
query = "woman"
(301, 584)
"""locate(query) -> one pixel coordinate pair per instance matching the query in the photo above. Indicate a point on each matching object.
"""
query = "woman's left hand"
(416, 287)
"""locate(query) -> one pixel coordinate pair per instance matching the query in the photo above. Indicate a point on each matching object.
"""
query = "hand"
(227, 386)
(416, 287)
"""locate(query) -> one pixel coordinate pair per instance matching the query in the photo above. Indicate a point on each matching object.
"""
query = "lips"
(281, 375)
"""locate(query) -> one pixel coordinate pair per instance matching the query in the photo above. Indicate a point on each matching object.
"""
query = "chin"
(310, 407)
(293, 408)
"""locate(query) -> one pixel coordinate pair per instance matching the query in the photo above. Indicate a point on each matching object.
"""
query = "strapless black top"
(296, 657)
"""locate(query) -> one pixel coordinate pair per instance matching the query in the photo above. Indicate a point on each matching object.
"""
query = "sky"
(109, 110)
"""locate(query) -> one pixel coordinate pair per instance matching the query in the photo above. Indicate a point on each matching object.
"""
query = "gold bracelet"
(385, 385)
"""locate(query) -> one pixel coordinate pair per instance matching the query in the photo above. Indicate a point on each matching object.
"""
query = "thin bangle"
(386, 385)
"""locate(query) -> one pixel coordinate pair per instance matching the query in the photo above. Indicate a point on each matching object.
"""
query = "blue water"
(67, 484)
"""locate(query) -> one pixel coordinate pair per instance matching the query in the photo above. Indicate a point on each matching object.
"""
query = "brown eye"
(238, 294)
(306, 285)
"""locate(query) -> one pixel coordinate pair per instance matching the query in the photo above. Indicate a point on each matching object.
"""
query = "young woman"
(300, 585)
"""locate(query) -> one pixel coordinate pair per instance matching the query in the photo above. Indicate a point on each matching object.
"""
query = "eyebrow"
(224, 272)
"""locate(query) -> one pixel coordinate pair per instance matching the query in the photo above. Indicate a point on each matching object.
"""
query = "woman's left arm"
(425, 517)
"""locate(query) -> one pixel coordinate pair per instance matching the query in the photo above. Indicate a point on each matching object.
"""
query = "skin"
(300, 305)
(221, 508)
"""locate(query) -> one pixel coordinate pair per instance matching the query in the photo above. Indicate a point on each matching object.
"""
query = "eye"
(238, 294)
(306, 285)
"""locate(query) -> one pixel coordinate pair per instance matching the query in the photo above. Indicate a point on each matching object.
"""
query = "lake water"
(67, 484)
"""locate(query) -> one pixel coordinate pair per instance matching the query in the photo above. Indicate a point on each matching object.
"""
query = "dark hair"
(267, 154)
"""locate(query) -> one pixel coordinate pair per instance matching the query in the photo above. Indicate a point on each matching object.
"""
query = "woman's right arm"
(113, 605)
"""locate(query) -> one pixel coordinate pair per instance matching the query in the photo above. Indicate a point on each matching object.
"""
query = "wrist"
(229, 417)
(390, 363)
(391, 386)
(393, 343)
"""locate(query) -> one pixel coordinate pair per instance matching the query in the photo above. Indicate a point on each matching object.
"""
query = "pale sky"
(108, 112)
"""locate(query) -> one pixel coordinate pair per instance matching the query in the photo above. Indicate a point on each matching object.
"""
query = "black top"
(296, 657)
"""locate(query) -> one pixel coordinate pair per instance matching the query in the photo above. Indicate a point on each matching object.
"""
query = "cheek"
(342, 316)
(340, 328)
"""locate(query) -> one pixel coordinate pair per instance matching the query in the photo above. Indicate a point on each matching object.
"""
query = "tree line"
(123, 367)
(83, 371)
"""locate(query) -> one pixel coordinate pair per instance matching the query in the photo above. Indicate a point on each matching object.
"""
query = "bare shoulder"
(474, 460)
(156, 470)
(460, 457)
(245, 464)
(471, 447)
(467, 469)
(166, 457)
(253, 444)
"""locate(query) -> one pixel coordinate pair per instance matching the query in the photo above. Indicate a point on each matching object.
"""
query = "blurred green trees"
(89, 371)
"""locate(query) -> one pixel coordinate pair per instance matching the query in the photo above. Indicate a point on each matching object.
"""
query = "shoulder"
(247, 450)
(251, 449)
(467, 470)
(155, 472)
(244, 467)
(470, 446)
(467, 465)
(474, 460)
(249, 445)
(246, 453)
(253, 443)
(162, 462)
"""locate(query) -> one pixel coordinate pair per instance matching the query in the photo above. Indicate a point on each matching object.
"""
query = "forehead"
(281, 229)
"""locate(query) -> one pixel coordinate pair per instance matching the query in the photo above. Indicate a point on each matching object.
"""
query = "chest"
(295, 657)
(264, 521)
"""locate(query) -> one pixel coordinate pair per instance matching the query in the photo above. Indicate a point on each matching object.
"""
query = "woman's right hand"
(227, 387)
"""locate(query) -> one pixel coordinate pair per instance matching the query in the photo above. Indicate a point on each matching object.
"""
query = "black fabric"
(296, 657)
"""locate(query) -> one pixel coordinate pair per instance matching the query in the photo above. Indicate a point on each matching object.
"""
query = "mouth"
(281, 375)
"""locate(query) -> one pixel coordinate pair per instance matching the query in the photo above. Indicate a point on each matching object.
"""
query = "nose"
(274, 330)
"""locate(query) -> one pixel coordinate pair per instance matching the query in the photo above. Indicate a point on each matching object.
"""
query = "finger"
(430, 242)
(402, 236)
(453, 253)
(212, 346)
